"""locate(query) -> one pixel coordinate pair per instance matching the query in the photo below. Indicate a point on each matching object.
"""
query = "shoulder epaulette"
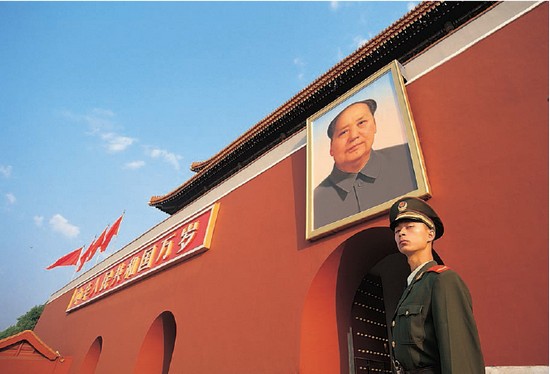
(439, 268)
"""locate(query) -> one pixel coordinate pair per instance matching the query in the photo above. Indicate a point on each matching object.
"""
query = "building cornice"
(428, 23)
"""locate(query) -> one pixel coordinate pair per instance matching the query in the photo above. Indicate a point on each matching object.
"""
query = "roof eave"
(414, 32)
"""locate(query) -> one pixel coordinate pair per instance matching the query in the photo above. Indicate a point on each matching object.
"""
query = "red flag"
(67, 260)
(92, 249)
(99, 243)
(113, 230)
(85, 256)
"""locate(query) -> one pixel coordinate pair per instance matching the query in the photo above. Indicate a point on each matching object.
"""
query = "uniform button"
(393, 344)
(407, 313)
(392, 323)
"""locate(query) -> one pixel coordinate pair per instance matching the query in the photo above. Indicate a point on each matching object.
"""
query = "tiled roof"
(26, 343)
(421, 27)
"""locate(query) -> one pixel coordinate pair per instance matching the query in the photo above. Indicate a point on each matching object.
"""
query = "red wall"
(483, 123)
(246, 306)
(34, 366)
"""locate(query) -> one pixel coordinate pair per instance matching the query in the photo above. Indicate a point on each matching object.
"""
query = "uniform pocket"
(411, 323)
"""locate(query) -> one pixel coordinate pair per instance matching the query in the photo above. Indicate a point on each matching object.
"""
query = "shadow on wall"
(92, 357)
(372, 251)
(155, 354)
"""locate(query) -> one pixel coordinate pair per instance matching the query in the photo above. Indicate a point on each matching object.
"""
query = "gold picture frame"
(339, 195)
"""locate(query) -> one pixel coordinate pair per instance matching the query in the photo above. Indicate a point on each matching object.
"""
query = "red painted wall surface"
(34, 365)
(264, 300)
(483, 123)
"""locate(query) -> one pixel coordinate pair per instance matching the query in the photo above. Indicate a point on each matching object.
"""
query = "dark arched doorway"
(372, 256)
(371, 312)
(92, 357)
(156, 350)
(327, 333)
(371, 277)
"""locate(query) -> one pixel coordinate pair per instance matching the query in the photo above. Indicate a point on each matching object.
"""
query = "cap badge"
(402, 206)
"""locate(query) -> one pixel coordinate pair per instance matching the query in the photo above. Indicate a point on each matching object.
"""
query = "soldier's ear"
(431, 235)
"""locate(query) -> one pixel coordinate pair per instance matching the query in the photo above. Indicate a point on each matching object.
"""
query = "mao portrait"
(362, 154)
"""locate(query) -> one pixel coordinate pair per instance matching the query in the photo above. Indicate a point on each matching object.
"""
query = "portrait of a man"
(361, 177)
(362, 154)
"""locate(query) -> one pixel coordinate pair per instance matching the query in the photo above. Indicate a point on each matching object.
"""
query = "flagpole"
(123, 213)
(76, 266)
(80, 265)
(114, 242)
(85, 254)
(108, 252)
(97, 257)
(74, 274)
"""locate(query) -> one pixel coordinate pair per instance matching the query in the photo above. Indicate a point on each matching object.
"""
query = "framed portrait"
(363, 154)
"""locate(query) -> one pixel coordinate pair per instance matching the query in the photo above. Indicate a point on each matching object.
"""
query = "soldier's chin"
(404, 249)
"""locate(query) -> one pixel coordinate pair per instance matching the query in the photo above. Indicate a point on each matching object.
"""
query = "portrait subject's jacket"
(434, 326)
(388, 174)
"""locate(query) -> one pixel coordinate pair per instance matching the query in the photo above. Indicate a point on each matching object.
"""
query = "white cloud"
(38, 220)
(103, 112)
(117, 143)
(337, 5)
(340, 54)
(61, 225)
(98, 120)
(101, 123)
(134, 165)
(411, 5)
(299, 62)
(5, 170)
(169, 157)
(359, 41)
(11, 198)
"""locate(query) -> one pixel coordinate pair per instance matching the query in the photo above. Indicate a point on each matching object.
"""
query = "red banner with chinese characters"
(184, 240)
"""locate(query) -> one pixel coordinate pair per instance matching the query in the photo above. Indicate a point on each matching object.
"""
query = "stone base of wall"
(516, 370)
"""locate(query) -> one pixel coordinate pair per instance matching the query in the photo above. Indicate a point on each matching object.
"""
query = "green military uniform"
(433, 325)
(433, 328)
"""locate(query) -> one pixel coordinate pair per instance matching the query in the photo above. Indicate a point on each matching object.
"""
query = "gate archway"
(156, 350)
(326, 317)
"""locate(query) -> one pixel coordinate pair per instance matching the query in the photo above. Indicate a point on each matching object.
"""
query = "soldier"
(433, 329)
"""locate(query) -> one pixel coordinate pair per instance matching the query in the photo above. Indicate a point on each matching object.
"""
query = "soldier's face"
(412, 237)
(353, 137)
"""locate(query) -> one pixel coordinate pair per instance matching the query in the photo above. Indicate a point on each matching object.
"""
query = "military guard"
(433, 328)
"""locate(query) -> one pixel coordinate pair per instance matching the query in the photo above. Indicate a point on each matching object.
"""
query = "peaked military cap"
(414, 209)
(369, 102)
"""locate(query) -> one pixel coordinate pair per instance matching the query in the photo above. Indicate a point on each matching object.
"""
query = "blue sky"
(103, 105)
